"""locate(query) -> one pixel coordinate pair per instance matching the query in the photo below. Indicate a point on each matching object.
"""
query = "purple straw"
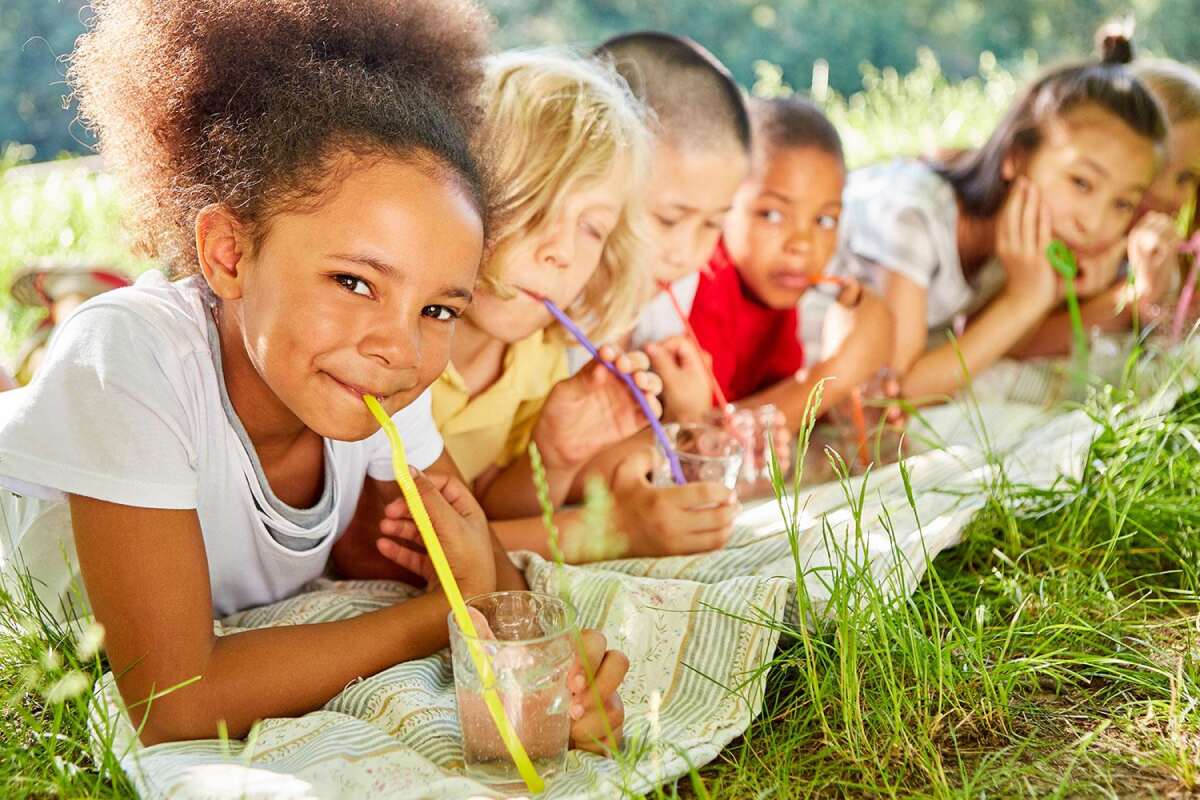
(655, 425)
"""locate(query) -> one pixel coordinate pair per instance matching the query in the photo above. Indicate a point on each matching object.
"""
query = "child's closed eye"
(1082, 184)
(354, 284)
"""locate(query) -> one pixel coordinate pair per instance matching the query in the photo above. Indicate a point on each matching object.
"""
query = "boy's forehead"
(800, 172)
(703, 178)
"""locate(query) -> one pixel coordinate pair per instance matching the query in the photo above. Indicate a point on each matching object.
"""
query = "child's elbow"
(183, 720)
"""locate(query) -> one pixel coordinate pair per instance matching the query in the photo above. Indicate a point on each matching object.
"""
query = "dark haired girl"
(966, 237)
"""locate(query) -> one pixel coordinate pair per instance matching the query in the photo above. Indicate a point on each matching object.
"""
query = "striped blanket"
(689, 624)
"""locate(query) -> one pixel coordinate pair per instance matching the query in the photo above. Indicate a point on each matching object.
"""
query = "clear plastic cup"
(527, 639)
(706, 453)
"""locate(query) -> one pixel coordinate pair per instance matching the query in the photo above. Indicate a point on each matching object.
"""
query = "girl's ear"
(1013, 165)
(221, 242)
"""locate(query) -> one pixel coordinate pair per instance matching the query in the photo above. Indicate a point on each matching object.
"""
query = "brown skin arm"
(147, 578)
(1107, 311)
(935, 374)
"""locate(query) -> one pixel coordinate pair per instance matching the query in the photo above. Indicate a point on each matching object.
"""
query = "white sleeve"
(896, 236)
(107, 415)
(422, 442)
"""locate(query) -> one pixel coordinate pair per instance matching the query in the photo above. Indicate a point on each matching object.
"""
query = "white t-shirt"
(127, 408)
(901, 216)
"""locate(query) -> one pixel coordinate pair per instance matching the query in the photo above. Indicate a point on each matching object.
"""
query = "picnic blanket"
(692, 626)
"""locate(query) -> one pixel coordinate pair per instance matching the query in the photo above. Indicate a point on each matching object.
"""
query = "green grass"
(1053, 652)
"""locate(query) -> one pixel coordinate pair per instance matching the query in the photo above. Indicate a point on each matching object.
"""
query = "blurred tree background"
(790, 34)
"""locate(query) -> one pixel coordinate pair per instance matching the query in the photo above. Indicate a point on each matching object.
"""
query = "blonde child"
(568, 149)
(306, 174)
(1070, 160)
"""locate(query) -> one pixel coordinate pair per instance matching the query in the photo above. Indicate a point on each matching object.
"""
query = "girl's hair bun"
(1114, 42)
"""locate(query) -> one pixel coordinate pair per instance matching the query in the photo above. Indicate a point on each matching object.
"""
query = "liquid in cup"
(706, 453)
(527, 639)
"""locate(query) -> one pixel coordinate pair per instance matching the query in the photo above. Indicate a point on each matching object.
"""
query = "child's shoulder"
(153, 312)
(901, 180)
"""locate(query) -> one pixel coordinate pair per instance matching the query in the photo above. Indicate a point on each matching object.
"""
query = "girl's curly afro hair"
(241, 102)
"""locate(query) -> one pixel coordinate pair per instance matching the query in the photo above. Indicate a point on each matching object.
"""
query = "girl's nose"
(555, 251)
(393, 342)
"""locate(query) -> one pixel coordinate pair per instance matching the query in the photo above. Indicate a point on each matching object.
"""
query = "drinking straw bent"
(1063, 261)
(718, 395)
(458, 606)
(655, 425)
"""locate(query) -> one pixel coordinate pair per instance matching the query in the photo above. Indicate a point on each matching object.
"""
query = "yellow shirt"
(495, 426)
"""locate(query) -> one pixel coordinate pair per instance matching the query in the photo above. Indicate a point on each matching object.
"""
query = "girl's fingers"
(702, 521)
(633, 361)
(404, 557)
(707, 541)
(1015, 211)
(609, 674)
(399, 528)
(1031, 219)
(702, 494)
(648, 382)
(592, 648)
(1045, 231)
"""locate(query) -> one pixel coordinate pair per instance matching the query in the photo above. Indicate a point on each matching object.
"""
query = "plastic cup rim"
(568, 625)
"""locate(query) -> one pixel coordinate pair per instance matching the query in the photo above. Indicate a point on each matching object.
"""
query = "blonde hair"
(1176, 85)
(554, 122)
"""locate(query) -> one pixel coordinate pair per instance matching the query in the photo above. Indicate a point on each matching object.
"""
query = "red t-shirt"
(752, 346)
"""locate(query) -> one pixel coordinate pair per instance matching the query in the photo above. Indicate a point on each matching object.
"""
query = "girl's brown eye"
(353, 283)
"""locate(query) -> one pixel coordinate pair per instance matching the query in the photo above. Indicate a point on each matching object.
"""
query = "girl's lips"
(358, 391)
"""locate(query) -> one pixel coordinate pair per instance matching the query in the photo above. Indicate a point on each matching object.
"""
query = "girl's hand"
(595, 676)
(1154, 246)
(668, 520)
(850, 292)
(461, 528)
(1023, 234)
(684, 370)
(1099, 272)
(594, 409)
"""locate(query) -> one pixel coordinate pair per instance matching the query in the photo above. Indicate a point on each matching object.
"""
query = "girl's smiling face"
(1180, 177)
(357, 293)
(783, 229)
(1092, 170)
(555, 261)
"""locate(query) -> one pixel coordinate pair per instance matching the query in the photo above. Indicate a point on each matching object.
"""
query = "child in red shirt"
(779, 240)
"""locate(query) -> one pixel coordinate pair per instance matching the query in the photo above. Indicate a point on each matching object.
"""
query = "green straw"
(1063, 261)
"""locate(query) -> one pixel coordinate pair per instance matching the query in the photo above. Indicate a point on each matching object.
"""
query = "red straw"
(718, 396)
(856, 404)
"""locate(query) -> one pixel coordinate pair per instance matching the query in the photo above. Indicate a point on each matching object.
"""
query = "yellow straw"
(442, 567)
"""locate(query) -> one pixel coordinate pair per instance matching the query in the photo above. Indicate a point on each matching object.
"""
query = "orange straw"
(860, 425)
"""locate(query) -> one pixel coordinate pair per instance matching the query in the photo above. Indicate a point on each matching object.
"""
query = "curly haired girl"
(304, 171)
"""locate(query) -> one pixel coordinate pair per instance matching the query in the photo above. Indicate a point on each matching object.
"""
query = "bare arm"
(1107, 311)
(147, 578)
(860, 341)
